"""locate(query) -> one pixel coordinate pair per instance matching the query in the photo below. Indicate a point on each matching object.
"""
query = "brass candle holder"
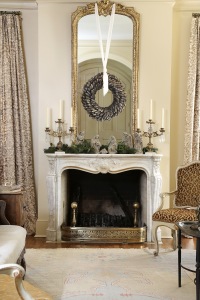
(150, 134)
(60, 133)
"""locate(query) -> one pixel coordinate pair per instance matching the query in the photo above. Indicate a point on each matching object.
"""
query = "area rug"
(110, 274)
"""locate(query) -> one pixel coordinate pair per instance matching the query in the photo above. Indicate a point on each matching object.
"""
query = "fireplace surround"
(58, 185)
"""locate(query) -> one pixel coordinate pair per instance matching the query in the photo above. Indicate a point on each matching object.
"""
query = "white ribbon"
(105, 58)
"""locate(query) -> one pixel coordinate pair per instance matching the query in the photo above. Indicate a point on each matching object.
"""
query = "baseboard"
(41, 227)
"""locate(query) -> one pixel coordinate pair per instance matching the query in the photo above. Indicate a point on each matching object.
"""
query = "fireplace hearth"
(115, 196)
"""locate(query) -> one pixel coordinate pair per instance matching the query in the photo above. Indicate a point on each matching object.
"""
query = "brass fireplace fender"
(104, 234)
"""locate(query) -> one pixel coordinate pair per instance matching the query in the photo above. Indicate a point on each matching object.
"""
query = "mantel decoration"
(150, 133)
(59, 133)
(88, 97)
(130, 143)
(93, 146)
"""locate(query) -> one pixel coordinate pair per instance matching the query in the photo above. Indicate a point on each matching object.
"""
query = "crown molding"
(187, 5)
(123, 2)
(18, 4)
(179, 5)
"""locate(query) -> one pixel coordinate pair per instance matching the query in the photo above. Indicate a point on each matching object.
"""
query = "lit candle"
(163, 118)
(61, 110)
(151, 109)
(48, 117)
(138, 118)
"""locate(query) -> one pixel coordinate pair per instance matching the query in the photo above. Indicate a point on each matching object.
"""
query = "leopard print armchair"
(186, 202)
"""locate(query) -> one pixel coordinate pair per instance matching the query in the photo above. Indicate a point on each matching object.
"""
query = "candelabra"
(60, 133)
(150, 134)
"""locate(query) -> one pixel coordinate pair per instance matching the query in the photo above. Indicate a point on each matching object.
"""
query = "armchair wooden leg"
(174, 235)
(155, 239)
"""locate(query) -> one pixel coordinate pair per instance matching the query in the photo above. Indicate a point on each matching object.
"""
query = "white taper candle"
(151, 110)
(61, 110)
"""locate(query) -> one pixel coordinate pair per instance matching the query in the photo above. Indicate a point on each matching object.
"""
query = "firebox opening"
(105, 200)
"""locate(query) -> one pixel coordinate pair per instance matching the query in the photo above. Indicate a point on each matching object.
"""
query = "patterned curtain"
(192, 128)
(16, 158)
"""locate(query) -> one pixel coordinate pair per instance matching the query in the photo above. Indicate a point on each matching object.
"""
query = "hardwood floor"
(36, 242)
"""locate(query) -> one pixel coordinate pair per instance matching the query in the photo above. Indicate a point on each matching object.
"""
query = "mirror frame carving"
(105, 8)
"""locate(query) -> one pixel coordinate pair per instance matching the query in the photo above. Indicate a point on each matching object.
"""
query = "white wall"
(164, 34)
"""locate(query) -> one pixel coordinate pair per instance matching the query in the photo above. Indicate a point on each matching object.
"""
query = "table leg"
(179, 257)
(198, 269)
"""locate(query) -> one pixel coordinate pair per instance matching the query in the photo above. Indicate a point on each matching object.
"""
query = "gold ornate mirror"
(122, 64)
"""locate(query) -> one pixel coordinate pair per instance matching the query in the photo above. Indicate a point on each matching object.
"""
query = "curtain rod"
(195, 15)
(10, 12)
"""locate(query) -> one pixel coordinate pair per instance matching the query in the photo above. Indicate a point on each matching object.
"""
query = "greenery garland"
(85, 147)
(88, 97)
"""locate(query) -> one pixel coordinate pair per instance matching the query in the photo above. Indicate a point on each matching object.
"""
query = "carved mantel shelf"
(99, 163)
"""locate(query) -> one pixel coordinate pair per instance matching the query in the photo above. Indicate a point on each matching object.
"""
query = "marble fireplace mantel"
(98, 163)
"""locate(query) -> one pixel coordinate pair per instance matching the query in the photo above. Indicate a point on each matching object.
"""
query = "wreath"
(88, 97)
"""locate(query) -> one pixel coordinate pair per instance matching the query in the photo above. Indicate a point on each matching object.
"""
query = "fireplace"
(106, 189)
(104, 200)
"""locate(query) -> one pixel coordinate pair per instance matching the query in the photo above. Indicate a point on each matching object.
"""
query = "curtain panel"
(192, 125)
(16, 157)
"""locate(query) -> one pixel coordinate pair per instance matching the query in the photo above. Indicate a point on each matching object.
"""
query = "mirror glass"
(122, 64)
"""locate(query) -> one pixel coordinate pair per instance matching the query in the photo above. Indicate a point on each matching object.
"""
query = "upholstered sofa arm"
(12, 240)
(163, 198)
(16, 271)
